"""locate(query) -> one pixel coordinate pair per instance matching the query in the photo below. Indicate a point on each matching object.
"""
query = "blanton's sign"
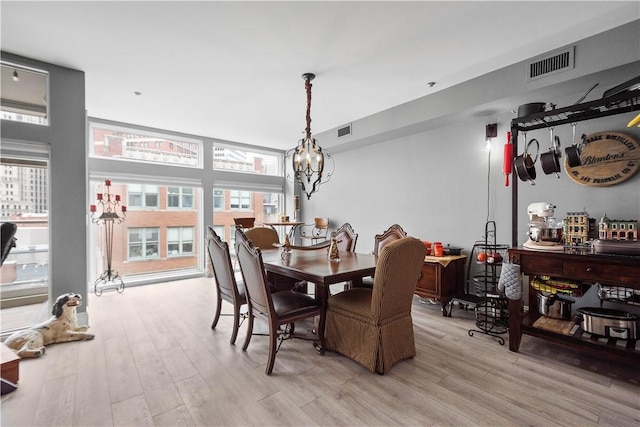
(607, 158)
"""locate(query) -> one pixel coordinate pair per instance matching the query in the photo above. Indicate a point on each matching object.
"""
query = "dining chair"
(318, 230)
(373, 326)
(346, 238)
(244, 223)
(263, 237)
(395, 232)
(277, 309)
(227, 287)
(391, 234)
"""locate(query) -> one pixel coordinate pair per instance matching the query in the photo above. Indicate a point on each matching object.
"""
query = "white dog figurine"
(62, 327)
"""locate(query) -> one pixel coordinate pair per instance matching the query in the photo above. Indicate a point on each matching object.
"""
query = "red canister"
(438, 250)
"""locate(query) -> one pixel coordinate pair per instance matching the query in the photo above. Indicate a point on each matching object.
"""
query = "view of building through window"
(158, 234)
(24, 201)
(126, 144)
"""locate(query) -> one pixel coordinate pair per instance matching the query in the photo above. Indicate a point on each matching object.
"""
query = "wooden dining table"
(315, 267)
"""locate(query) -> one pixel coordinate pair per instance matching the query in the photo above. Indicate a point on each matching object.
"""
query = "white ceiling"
(232, 70)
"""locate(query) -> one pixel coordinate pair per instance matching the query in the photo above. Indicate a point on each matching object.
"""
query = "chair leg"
(249, 333)
(273, 347)
(216, 317)
(236, 324)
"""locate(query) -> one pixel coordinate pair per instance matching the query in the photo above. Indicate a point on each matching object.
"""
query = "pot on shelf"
(554, 306)
(609, 322)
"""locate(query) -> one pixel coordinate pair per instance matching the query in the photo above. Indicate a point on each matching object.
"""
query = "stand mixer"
(545, 234)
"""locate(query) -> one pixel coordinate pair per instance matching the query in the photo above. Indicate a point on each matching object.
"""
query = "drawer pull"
(589, 270)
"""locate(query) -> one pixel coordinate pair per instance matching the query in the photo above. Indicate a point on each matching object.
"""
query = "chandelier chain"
(307, 86)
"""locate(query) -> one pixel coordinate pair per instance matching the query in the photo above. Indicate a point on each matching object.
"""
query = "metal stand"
(109, 279)
(492, 313)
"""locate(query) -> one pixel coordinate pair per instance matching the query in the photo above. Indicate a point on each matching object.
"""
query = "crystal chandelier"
(308, 158)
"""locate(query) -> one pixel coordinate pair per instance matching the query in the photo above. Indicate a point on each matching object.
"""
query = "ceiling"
(232, 70)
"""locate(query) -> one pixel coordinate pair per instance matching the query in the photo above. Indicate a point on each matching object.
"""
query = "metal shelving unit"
(618, 103)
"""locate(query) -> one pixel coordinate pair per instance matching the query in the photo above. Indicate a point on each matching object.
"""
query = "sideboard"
(573, 264)
(441, 279)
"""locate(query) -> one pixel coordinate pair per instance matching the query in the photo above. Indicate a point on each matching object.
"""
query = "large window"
(24, 195)
(143, 243)
(163, 233)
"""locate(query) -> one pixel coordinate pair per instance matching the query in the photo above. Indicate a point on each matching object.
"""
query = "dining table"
(315, 267)
(292, 231)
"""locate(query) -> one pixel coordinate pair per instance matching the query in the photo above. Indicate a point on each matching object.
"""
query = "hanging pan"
(573, 152)
(551, 160)
(524, 164)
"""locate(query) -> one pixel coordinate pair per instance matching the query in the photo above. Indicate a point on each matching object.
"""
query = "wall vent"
(344, 131)
(551, 63)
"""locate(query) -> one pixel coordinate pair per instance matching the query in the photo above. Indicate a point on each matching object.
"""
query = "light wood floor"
(155, 361)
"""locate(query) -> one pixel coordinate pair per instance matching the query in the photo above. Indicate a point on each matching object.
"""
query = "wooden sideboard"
(441, 279)
(580, 265)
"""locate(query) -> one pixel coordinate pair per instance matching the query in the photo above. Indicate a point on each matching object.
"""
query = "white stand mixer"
(544, 234)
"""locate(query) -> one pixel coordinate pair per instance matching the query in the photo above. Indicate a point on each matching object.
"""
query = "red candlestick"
(124, 208)
(107, 182)
(93, 208)
(99, 196)
(117, 197)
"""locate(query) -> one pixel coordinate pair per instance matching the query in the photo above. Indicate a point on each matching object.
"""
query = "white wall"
(431, 176)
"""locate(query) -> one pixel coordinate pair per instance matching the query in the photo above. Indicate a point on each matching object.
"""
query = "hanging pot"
(573, 152)
(525, 165)
(551, 160)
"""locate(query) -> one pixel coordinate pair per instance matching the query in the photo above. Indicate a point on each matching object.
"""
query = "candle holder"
(108, 204)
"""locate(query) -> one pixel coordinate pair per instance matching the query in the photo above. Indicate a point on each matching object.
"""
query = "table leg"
(516, 308)
(322, 294)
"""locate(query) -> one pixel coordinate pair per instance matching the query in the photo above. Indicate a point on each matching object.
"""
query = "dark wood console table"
(573, 264)
(441, 279)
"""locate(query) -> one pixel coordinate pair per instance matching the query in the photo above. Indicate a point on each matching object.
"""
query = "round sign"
(606, 158)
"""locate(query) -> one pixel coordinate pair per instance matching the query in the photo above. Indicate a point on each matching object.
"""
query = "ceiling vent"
(551, 63)
(344, 131)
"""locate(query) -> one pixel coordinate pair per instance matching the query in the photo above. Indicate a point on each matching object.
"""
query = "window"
(119, 143)
(142, 196)
(143, 243)
(218, 199)
(239, 199)
(236, 159)
(24, 94)
(179, 241)
(180, 197)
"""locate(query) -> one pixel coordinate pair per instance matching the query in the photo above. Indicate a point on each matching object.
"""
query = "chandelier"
(308, 159)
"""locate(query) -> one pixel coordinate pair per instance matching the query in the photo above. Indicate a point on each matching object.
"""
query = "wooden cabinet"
(441, 279)
(572, 265)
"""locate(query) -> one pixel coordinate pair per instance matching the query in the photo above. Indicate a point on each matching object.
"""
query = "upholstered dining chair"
(227, 287)
(276, 309)
(374, 326)
(244, 223)
(395, 232)
(263, 237)
(391, 234)
(317, 231)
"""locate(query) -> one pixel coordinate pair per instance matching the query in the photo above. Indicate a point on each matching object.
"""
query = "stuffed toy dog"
(61, 327)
